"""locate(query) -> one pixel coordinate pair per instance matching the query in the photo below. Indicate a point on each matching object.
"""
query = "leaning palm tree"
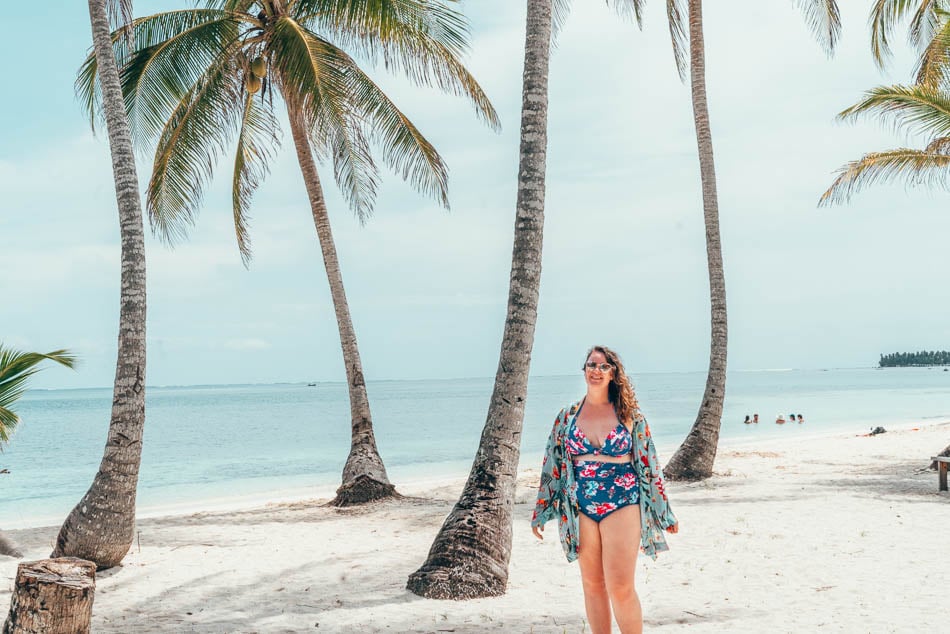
(469, 557)
(694, 458)
(16, 368)
(197, 80)
(101, 525)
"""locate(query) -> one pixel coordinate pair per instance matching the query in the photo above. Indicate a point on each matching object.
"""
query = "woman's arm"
(544, 509)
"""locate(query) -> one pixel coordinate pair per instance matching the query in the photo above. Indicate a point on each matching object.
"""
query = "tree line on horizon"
(906, 359)
(191, 84)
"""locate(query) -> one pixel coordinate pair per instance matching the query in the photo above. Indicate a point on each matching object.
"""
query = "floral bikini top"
(617, 443)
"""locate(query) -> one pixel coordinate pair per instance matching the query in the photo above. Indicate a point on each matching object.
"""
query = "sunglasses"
(603, 367)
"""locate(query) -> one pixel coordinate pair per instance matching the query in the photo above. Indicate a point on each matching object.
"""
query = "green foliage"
(920, 109)
(922, 358)
(15, 369)
(185, 81)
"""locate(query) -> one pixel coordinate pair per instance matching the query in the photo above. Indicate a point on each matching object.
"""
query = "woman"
(602, 481)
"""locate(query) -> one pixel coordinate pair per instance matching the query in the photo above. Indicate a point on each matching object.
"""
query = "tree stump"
(52, 596)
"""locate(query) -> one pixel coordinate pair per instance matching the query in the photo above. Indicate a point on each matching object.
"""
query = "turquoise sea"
(211, 442)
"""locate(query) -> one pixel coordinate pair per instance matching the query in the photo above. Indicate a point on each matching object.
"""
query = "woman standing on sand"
(602, 481)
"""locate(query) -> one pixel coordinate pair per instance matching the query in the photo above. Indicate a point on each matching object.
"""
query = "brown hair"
(620, 391)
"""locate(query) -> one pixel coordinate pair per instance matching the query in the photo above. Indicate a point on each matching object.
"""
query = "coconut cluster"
(252, 81)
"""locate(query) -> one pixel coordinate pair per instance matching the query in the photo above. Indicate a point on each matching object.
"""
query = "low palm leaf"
(917, 109)
(15, 369)
(914, 167)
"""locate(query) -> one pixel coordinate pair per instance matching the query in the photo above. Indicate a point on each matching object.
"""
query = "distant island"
(909, 359)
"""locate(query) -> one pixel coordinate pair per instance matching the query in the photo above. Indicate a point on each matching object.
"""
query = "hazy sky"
(624, 251)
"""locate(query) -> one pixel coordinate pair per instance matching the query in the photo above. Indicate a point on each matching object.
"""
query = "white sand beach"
(841, 533)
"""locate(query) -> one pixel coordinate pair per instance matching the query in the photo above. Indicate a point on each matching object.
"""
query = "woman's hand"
(537, 530)
(675, 528)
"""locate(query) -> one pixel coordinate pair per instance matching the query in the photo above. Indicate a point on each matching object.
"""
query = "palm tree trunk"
(694, 458)
(102, 525)
(469, 557)
(364, 475)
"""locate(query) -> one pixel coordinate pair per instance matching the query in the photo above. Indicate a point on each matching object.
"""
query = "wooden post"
(942, 474)
(52, 596)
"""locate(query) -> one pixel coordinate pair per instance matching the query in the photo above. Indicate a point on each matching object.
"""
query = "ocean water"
(212, 442)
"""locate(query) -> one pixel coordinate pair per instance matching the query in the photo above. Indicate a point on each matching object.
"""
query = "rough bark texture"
(8, 548)
(469, 557)
(52, 596)
(945, 453)
(101, 526)
(694, 458)
(364, 475)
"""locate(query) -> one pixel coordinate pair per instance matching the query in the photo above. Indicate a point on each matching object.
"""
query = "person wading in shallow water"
(602, 481)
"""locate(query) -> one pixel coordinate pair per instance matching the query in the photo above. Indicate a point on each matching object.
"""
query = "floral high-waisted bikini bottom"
(604, 487)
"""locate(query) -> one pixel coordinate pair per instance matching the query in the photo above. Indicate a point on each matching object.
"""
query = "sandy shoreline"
(838, 532)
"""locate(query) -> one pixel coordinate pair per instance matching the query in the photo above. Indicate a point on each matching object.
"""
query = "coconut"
(252, 83)
(259, 67)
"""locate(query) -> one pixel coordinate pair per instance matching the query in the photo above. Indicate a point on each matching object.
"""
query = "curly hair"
(620, 391)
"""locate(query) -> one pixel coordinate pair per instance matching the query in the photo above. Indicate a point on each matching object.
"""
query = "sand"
(842, 533)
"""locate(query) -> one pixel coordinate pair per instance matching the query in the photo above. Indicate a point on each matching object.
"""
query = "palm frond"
(628, 9)
(157, 77)
(560, 12)
(403, 146)
(677, 17)
(940, 145)
(120, 18)
(824, 21)
(935, 59)
(15, 369)
(916, 109)
(147, 32)
(914, 167)
(421, 39)
(317, 90)
(885, 16)
(257, 143)
(119, 12)
(195, 135)
(924, 24)
(243, 6)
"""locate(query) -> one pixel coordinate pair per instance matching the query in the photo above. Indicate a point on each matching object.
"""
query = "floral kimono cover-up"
(557, 494)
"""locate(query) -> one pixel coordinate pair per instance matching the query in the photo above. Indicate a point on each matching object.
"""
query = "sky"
(624, 250)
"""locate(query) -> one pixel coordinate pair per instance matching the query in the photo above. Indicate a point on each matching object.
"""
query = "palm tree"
(196, 78)
(101, 526)
(694, 459)
(15, 370)
(469, 557)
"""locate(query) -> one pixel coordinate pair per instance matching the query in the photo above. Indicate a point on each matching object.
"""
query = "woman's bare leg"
(590, 558)
(620, 544)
